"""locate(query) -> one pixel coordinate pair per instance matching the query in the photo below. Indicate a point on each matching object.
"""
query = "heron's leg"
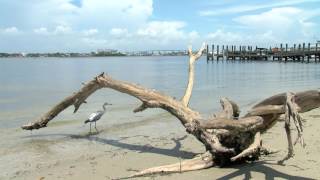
(95, 126)
(90, 127)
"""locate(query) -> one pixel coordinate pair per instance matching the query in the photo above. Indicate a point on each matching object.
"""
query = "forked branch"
(192, 59)
(149, 98)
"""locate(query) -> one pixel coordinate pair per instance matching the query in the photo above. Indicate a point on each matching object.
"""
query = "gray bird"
(94, 117)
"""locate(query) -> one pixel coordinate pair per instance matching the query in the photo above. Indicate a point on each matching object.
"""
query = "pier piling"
(285, 53)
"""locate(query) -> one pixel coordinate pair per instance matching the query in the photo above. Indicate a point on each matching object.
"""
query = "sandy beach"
(119, 152)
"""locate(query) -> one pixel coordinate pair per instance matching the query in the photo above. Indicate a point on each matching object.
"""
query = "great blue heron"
(94, 117)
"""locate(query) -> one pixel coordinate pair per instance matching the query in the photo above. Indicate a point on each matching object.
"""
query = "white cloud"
(193, 35)
(264, 39)
(95, 42)
(118, 32)
(287, 22)
(90, 32)
(252, 7)
(165, 34)
(101, 14)
(278, 18)
(79, 25)
(221, 36)
(58, 30)
(93, 24)
(104, 14)
(41, 30)
(66, 6)
(163, 30)
(10, 30)
(62, 29)
(308, 28)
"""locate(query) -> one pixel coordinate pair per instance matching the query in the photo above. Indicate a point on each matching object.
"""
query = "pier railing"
(298, 52)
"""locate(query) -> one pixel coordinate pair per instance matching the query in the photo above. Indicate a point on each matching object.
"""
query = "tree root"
(211, 141)
(253, 149)
(291, 111)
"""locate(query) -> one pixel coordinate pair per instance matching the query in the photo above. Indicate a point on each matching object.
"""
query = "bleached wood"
(202, 161)
(192, 59)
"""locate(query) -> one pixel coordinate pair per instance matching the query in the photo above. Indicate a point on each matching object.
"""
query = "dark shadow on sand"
(260, 167)
(244, 169)
(174, 152)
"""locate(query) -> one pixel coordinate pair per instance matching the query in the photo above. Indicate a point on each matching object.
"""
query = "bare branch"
(192, 58)
(306, 100)
(76, 99)
(190, 50)
(199, 53)
(265, 110)
(150, 98)
(142, 107)
(244, 124)
(200, 162)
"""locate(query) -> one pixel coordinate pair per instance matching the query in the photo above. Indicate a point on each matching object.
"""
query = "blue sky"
(87, 25)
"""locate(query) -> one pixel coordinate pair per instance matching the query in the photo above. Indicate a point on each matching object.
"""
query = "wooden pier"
(296, 53)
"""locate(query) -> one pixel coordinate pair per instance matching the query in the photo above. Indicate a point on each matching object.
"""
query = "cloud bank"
(87, 25)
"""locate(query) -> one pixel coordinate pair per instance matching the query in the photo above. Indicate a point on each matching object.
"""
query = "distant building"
(108, 51)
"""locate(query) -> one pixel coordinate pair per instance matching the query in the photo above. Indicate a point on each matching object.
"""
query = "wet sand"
(119, 152)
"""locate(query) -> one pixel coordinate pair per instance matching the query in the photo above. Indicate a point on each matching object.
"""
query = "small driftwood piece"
(226, 136)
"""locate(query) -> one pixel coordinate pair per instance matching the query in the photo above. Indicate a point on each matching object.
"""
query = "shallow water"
(29, 87)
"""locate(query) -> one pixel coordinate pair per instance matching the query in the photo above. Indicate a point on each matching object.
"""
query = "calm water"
(29, 87)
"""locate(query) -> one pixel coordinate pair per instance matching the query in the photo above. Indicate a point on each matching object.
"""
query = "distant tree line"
(59, 54)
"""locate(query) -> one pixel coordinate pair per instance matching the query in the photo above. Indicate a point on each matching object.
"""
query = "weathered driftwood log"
(201, 161)
(226, 136)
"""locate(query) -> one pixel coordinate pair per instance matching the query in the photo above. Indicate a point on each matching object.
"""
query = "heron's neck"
(104, 107)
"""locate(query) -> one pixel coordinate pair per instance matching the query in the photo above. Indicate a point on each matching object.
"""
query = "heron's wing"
(93, 115)
(99, 114)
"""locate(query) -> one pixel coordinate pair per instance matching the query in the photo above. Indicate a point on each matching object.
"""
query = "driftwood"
(226, 136)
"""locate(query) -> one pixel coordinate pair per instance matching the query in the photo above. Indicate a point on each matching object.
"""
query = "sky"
(129, 25)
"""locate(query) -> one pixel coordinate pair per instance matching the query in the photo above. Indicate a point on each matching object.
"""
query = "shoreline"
(120, 153)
